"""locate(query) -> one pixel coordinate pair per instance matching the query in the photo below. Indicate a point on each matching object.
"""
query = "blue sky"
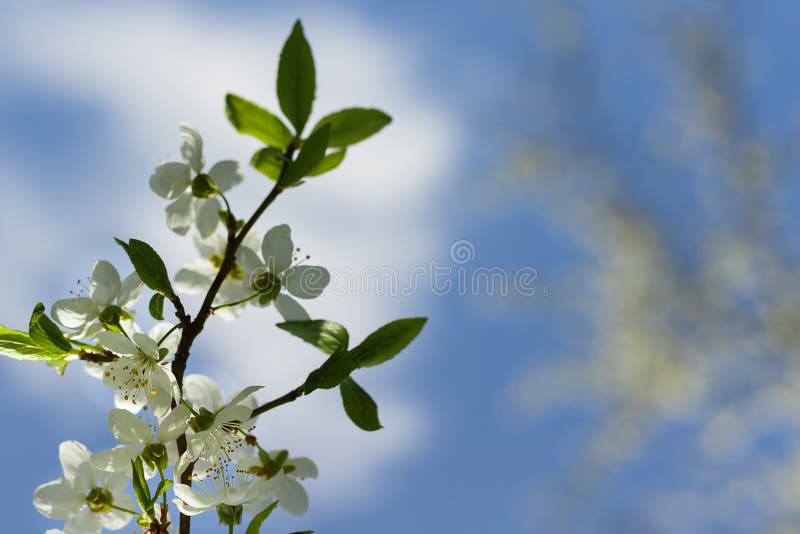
(90, 100)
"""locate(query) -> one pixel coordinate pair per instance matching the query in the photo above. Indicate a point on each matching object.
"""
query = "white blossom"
(85, 496)
(173, 180)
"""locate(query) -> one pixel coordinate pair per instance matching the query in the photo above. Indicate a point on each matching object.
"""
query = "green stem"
(164, 495)
(171, 330)
(121, 509)
(230, 529)
(231, 304)
(280, 401)
(227, 204)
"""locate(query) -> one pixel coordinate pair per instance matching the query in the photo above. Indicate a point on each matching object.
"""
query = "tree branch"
(192, 328)
(280, 401)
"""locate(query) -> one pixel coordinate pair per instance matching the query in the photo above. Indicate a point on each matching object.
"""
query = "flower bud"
(155, 456)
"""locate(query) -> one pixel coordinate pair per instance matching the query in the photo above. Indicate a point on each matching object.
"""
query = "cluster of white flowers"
(230, 470)
(229, 466)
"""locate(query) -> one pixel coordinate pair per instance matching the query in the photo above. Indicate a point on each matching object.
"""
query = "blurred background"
(608, 187)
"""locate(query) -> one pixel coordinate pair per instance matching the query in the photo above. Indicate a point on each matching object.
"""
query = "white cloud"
(156, 66)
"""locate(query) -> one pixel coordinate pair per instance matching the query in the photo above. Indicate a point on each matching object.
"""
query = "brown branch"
(280, 401)
(192, 328)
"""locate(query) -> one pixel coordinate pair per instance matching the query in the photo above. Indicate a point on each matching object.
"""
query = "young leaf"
(327, 336)
(310, 155)
(45, 333)
(60, 365)
(19, 345)
(359, 406)
(156, 307)
(331, 373)
(163, 486)
(149, 266)
(269, 161)
(384, 343)
(140, 487)
(352, 125)
(251, 119)
(255, 524)
(296, 79)
(328, 163)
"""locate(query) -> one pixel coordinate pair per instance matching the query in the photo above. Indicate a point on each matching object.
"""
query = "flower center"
(202, 421)
(266, 284)
(100, 500)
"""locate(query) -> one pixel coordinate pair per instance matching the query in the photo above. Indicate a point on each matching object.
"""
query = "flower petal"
(180, 214)
(252, 241)
(192, 147)
(277, 248)
(290, 309)
(57, 499)
(74, 313)
(84, 522)
(194, 498)
(203, 391)
(213, 245)
(238, 412)
(207, 218)
(246, 392)
(159, 330)
(117, 343)
(130, 290)
(116, 460)
(226, 174)
(303, 467)
(121, 402)
(174, 424)
(160, 395)
(291, 495)
(249, 263)
(171, 179)
(104, 284)
(129, 429)
(146, 344)
(116, 519)
(72, 454)
(195, 277)
(306, 281)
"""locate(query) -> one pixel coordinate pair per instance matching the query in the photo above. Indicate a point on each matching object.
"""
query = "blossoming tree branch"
(177, 434)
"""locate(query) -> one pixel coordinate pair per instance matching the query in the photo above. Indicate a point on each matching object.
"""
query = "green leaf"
(359, 406)
(296, 79)
(327, 336)
(149, 266)
(328, 163)
(352, 125)
(255, 524)
(250, 119)
(310, 155)
(269, 161)
(45, 333)
(156, 307)
(59, 365)
(384, 343)
(163, 486)
(140, 487)
(19, 345)
(331, 373)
